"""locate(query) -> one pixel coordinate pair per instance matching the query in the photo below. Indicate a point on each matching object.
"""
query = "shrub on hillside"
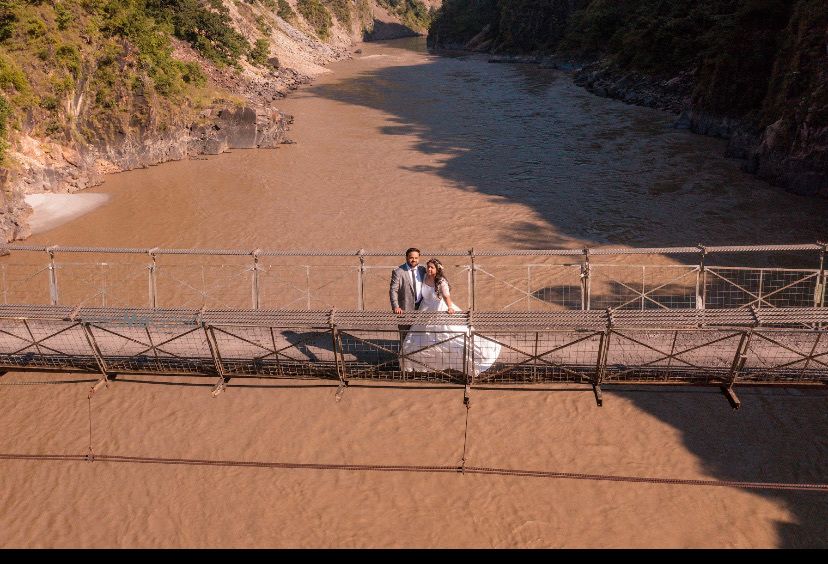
(204, 26)
(412, 13)
(341, 9)
(258, 55)
(317, 16)
(5, 114)
(284, 11)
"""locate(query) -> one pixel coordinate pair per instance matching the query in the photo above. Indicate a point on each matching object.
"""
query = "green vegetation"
(11, 77)
(84, 69)
(258, 55)
(743, 52)
(341, 10)
(284, 11)
(63, 16)
(203, 25)
(457, 21)
(263, 26)
(412, 13)
(797, 73)
(317, 16)
(5, 114)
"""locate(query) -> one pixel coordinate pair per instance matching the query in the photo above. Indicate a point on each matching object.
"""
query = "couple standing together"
(426, 348)
(416, 287)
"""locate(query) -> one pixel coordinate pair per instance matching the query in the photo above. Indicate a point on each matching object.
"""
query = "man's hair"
(411, 250)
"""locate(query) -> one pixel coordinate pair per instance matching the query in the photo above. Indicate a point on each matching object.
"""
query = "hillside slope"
(90, 87)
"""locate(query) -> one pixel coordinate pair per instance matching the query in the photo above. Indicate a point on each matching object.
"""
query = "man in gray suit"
(407, 290)
(407, 283)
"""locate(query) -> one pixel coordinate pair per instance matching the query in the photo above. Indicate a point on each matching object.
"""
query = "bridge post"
(601, 364)
(361, 281)
(472, 279)
(819, 294)
(468, 351)
(152, 282)
(255, 279)
(701, 279)
(535, 358)
(53, 286)
(339, 358)
(585, 284)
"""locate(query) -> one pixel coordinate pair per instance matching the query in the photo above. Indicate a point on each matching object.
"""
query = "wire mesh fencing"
(726, 348)
(541, 281)
(732, 287)
(25, 283)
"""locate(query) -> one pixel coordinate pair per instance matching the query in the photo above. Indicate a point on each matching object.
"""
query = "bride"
(440, 347)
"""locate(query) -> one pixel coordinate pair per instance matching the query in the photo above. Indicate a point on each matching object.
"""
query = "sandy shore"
(53, 210)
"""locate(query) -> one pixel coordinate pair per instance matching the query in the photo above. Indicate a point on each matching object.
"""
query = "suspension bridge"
(592, 317)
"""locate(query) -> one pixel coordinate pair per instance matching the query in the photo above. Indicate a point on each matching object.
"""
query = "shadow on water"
(594, 169)
(603, 172)
(777, 436)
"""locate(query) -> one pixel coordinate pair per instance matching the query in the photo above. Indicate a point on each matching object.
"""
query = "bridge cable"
(427, 469)
(90, 455)
(45, 382)
(467, 404)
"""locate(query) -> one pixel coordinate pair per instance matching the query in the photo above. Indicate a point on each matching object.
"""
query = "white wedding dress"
(429, 348)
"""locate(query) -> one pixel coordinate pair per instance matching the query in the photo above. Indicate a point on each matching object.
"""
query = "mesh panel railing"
(729, 287)
(542, 280)
(25, 283)
(697, 356)
(786, 356)
(689, 346)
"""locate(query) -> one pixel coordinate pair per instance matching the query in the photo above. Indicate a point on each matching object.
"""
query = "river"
(399, 147)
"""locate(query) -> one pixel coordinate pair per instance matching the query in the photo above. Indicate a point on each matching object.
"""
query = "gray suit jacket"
(402, 289)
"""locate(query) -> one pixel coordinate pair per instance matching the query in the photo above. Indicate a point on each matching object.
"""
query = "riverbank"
(187, 98)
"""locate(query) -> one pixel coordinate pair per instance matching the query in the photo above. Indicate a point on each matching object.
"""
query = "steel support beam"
(601, 364)
(221, 384)
(736, 367)
(152, 282)
(99, 359)
(473, 280)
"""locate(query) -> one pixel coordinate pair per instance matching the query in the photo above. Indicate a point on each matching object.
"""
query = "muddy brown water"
(393, 148)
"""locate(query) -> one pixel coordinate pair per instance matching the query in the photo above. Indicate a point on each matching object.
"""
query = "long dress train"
(430, 348)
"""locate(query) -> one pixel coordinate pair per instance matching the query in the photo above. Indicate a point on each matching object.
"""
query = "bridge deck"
(783, 346)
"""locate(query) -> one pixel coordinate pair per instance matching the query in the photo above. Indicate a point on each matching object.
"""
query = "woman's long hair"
(439, 277)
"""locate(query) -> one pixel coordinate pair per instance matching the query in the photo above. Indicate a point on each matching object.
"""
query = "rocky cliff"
(92, 87)
(752, 71)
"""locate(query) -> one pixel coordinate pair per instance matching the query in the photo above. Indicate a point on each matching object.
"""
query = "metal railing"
(690, 346)
(510, 280)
